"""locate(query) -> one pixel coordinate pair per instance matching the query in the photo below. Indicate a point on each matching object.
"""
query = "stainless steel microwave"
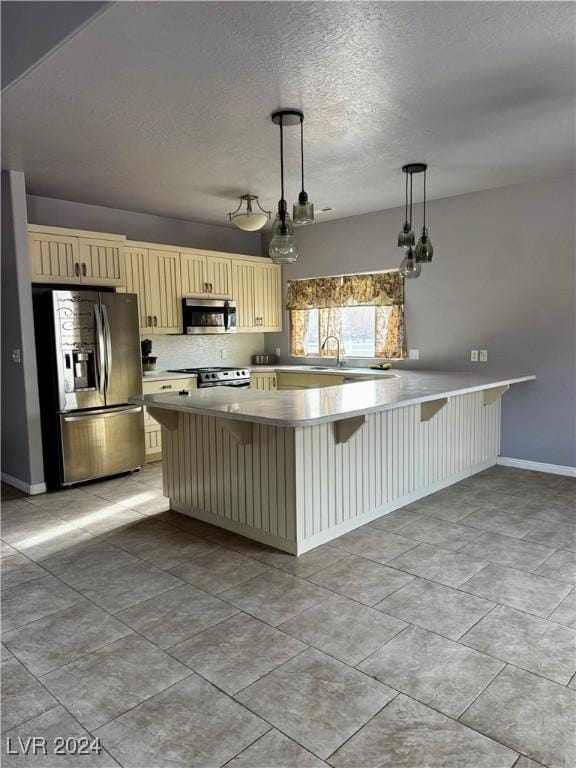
(209, 316)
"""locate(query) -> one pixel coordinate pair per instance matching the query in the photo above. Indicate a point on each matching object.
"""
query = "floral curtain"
(299, 323)
(331, 325)
(382, 290)
(390, 337)
(375, 289)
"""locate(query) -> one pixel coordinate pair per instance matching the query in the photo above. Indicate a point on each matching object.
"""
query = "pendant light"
(303, 210)
(409, 267)
(282, 248)
(406, 236)
(424, 248)
(249, 220)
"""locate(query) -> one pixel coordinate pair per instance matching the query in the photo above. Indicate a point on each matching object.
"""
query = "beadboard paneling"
(299, 487)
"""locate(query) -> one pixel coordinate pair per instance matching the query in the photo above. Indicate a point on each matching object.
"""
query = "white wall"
(502, 279)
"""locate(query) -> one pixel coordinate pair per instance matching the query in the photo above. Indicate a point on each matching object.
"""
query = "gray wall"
(21, 436)
(502, 280)
(141, 226)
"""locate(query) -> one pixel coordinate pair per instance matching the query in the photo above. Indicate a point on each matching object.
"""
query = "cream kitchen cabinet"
(257, 290)
(153, 430)
(264, 381)
(154, 275)
(305, 380)
(205, 275)
(75, 257)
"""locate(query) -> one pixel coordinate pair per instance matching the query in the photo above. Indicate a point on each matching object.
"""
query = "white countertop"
(300, 408)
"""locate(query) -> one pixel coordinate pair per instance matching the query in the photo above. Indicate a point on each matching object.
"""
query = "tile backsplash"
(192, 351)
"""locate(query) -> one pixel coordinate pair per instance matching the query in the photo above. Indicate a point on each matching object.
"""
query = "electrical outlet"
(414, 354)
(223, 354)
(16, 358)
(474, 355)
(483, 355)
(278, 351)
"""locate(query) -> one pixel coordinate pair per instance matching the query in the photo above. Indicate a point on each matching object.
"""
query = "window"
(365, 313)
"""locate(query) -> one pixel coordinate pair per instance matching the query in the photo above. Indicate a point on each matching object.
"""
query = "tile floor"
(441, 635)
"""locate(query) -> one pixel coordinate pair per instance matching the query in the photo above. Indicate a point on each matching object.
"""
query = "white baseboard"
(31, 490)
(537, 466)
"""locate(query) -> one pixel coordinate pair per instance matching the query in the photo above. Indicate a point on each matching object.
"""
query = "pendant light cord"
(406, 200)
(410, 200)
(302, 149)
(282, 206)
(424, 204)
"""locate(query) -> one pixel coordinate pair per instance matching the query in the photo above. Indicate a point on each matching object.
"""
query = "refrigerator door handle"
(104, 414)
(108, 345)
(101, 361)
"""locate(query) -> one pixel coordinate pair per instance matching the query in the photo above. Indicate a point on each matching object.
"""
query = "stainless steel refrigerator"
(89, 366)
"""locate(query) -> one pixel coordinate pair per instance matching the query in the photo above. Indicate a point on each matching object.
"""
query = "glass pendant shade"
(282, 248)
(406, 236)
(409, 267)
(424, 249)
(303, 210)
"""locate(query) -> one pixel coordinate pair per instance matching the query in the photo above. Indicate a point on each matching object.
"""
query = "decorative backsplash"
(191, 351)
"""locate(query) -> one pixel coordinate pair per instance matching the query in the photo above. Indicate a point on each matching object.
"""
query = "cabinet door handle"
(211, 288)
(205, 287)
(155, 321)
(166, 386)
(84, 270)
(149, 321)
(77, 269)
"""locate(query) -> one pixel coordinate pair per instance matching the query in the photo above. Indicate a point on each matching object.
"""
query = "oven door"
(238, 384)
(206, 316)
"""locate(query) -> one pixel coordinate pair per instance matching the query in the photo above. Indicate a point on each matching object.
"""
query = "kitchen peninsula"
(297, 468)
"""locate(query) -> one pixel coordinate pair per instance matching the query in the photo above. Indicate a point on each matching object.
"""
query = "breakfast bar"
(295, 469)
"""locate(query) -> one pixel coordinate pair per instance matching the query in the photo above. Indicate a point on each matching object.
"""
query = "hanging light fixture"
(424, 248)
(249, 220)
(409, 267)
(303, 210)
(406, 236)
(282, 248)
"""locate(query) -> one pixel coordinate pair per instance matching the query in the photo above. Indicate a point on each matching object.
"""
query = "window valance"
(377, 289)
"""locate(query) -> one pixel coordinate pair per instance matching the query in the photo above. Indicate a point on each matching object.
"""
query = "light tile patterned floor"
(442, 635)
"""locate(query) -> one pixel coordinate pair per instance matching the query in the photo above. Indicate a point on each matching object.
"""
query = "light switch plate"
(223, 354)
(474, 355)
(414, 354)
(278, 351)
(483, 355)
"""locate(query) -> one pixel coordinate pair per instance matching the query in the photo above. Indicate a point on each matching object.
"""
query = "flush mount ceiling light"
(422, 254)
(248, 219)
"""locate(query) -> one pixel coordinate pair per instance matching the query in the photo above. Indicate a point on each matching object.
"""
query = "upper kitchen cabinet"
(257, 289)
(154, 275)
(206, 275)
(71, 256)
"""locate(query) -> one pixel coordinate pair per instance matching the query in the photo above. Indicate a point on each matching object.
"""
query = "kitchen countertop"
(301, 408)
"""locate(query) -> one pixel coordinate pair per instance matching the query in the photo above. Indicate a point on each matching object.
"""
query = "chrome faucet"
(339, 363)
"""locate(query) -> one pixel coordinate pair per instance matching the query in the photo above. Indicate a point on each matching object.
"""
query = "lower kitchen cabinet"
(153, 430)
(263, 380)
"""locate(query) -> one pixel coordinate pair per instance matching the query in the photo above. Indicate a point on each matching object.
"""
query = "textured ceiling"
(163, 107)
